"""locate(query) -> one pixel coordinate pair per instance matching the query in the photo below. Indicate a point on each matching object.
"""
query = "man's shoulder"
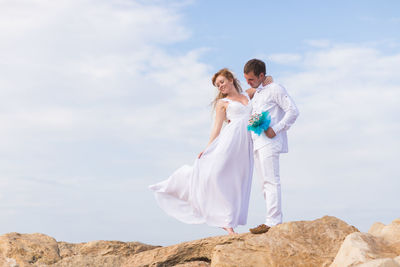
(270, 88)
(276, 87)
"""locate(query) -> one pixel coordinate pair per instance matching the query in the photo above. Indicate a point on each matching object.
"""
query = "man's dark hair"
(256, 66)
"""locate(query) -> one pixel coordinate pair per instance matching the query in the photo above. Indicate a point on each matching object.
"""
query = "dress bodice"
(237, 110)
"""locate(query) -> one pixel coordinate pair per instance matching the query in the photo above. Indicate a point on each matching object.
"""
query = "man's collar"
(261, 86)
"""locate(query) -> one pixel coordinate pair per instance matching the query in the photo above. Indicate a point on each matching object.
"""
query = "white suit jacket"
(283, 111)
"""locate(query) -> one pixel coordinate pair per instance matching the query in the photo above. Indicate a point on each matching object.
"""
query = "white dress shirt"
(283, 111)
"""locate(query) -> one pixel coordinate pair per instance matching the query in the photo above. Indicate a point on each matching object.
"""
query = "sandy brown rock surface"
(28, 249)
(301, 243)
(390, 233)
(20, 250)
(379, 247)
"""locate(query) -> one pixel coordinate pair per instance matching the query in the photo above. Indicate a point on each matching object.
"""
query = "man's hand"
(270, 133)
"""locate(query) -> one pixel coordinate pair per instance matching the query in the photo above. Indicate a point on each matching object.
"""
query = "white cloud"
(320, 43)
(375, 20)
(395, 19)
(285, 58)
(82, 67)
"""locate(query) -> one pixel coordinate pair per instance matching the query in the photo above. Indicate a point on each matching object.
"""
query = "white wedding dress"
(216, 189)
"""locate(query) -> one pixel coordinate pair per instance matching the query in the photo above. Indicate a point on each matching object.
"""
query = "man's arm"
(286, 103)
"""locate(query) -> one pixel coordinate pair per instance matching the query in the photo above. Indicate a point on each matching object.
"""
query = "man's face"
(253, 80)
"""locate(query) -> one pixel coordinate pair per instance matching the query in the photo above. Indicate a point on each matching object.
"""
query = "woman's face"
(224, 85)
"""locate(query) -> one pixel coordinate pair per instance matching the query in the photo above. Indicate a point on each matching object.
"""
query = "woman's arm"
(220, 116)
(268, 80)
(251, 91)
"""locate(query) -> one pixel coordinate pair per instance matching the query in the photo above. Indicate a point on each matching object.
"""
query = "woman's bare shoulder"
(221, 103)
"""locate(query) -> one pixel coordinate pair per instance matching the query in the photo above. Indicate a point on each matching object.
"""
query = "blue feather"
(261, 124)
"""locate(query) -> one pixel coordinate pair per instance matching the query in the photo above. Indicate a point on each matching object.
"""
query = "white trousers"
(267, 169)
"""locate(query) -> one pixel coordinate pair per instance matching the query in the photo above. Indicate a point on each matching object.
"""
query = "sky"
(99, 99)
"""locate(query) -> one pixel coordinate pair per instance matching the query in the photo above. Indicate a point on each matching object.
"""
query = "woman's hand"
(201, 153)
(268, 80)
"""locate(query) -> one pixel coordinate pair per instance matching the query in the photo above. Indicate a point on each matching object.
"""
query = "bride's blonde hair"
(229, 75)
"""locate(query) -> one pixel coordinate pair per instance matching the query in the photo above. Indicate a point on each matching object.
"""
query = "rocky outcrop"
(98, 253)
(28, 250)
(379, 247)
(301, 243)
(390, 233)
(103, 248)
(19, 250)
(387, 262)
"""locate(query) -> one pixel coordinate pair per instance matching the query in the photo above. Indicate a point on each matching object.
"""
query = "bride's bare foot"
(229, 230)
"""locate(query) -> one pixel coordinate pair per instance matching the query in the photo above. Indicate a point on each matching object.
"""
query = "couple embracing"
(216, 189)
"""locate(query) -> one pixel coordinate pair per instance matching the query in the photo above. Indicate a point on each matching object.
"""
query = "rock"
(376, 229)
(193, 264)
(302, 243)
(360, 248)
(103, 248)
(89, 261)
(98, 253)
(68, 249)
(19, 250)
(183, 253)
(390, 233)
(28, 249)
(238, 254)
(8, 262)
(387, 262)
(378, 247)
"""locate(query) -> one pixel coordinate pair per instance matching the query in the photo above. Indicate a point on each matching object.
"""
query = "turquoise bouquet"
(258, 123)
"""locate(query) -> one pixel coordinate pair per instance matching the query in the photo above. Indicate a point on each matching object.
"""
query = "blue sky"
(279, 27)
(99, 99)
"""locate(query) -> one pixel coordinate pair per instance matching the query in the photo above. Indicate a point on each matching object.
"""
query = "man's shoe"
(262, 228)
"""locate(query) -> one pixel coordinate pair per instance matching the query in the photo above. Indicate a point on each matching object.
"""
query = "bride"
(215, 190)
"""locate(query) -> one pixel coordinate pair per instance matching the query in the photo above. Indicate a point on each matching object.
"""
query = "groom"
(273, 98)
